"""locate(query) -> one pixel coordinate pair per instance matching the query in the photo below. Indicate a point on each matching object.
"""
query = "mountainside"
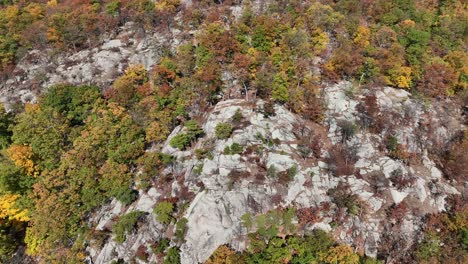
(233, 132)
(284, 160)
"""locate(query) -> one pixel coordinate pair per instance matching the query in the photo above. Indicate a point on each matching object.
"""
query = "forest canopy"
(80, 145)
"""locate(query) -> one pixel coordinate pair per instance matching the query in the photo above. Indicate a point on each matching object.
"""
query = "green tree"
(183, 140)
(180, 141)
(181, 229)
(279, 90)
(247, 221)
(163, 211)
(126, 224)
(6, 120)
(260, 40)
(73, 102)
(172, 256)
(46, 131)
(223, 130)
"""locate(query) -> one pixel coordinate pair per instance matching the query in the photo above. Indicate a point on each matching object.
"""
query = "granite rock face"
(274, 168)
(100, 65)
(228, 186)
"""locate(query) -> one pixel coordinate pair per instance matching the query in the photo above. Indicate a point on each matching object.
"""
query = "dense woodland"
(80, 146)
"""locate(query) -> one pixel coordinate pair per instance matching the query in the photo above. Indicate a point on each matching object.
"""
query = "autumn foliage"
(82, 146)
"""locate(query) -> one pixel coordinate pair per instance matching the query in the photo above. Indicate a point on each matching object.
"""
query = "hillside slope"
(233, 131)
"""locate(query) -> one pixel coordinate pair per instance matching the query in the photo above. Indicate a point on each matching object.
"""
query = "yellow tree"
(22, 156)
(8, 209)
(167, 5)
(222, 255)
(400, 76)
(156, 132)
(124, 87)
(362, 36)
(341, 254)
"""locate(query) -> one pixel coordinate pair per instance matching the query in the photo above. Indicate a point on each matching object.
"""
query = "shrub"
(234, 149)
(236, 175)
(173, 256)
(341, 160)
(237, 117)
(279, 92)
(308, 215)
(344, 198)
(125, 224)
(167, 159)
(223, 130)
(369, 111)
(200, 153)
(126, 195)
(163, 211)
(198, 169)
(392, 143)
(348, 130)
(401, 181)
(183, 140)
(396, 150)
(398, 211)
(193, 129)
(141, 253)
(181, 229)
(161, 245)
(272, 172)
(304, 150)
(340, 254)
(292, 171)
(430, 247)
(455, 159)
(313, 107)
(287, 176)
(113, 7)
(180, 141)
(151, 163)
(268, 109)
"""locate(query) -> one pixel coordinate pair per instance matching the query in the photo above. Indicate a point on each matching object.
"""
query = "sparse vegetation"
(396, 150)
(161, 245)
(272, 171)
(341, 160)
(234, 149)
(163, 211)
(348, 130)
(198, 169)
(237, 117)
(181, 229)
(344, 198)
(223, 130)
(183, 140)
(125, 224)
(317, 246)
(78, 147)
(172, 256)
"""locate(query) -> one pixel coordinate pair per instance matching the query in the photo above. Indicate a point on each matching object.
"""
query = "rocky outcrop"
(100, 65)
(233, 185)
